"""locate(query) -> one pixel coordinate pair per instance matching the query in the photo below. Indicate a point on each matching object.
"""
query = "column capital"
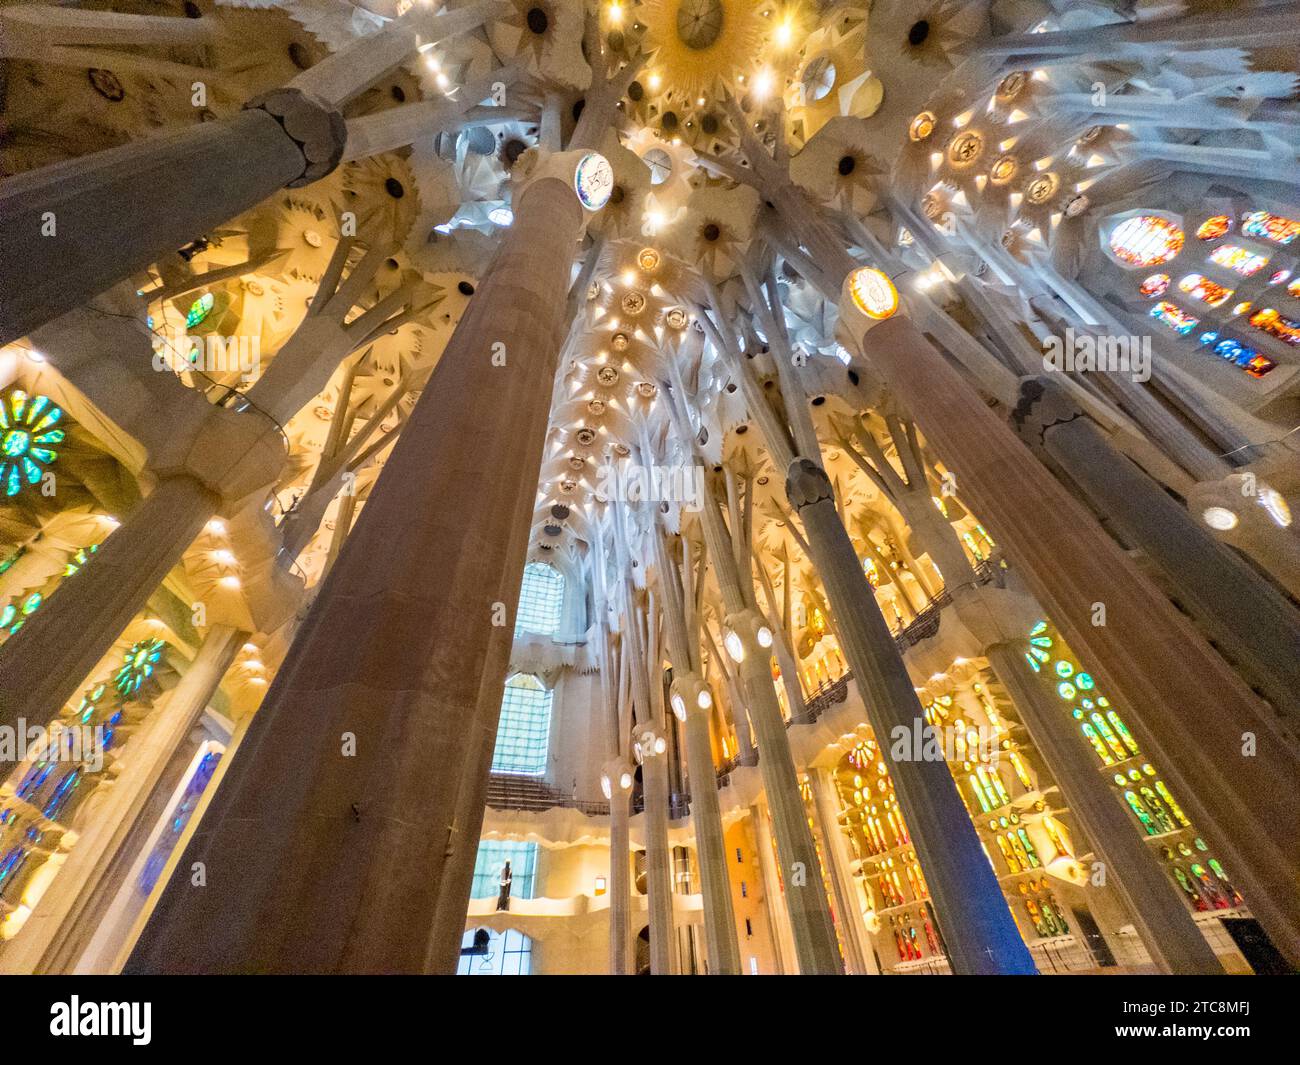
(806, 483)
(313, 125)
(1041, 403)
(690, 695)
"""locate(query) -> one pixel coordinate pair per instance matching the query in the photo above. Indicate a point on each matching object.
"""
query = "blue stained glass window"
(524, 729)
(541, 599)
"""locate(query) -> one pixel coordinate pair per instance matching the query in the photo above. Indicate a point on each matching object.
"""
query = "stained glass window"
(1267, 320)
(541, 600)
(1272, 227)
(177, 820)
(1239, 354)
(491, 859)
(138, 665)
(1205, 290)
(1146, 240)
(1174, 316)
(524, 731)
(26, 435)
(1238, 259)
(1154, 286)
(1214, 228)
(199, 310)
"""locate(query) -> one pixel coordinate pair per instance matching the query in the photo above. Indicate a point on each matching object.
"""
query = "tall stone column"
(620, 882)
(853, 930)
(47, 660)
(325, 846)
(809, 910)
(64, 920)
(978, 928)
(692, 702)
(651, 744)
(1238, 774)
(1159, 915)
(777, 916)
(1251, 621)
(74, 229)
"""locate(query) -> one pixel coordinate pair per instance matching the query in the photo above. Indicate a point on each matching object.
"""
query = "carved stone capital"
(318, 130)
(1041, 404)
(805, 483)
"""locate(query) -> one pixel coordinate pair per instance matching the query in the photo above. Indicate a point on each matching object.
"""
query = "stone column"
(647, 735)
(977, 926)
(1254, 625)
(325, 847)
(74, 229)
(1236, 772)
(227, 458)
(777, 916)
(65, 918)
(44, 664)
(805, 898)
(620, 882)
(1159, 915)
(853, 930)
(689, 692)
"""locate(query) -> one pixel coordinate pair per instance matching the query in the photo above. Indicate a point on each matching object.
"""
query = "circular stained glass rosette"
(26, 435)
(593, 181)
(873, 293)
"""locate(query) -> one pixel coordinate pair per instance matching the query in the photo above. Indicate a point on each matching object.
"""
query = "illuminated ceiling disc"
(593, 181)
(873, 293)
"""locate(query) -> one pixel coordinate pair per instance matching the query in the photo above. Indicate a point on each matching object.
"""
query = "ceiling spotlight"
(735, 646)
(1220, 518)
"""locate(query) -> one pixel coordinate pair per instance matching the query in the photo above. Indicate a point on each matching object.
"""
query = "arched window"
(524, 731)
(541, 600)
(485, 952)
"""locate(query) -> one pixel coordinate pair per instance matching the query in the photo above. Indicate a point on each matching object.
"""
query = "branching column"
(1237, 774)
(326, 844)
(706, 813)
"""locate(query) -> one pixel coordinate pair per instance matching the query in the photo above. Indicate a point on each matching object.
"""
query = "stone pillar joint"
(313, 125)
(806, 483)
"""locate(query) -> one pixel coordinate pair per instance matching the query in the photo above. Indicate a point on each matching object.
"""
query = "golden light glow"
(873, 293)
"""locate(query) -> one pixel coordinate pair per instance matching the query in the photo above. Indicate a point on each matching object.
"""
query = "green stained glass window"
(27, 434)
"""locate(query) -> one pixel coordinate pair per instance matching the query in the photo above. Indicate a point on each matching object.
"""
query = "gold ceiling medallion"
(633, 303)
(965, 148)
(676, 318)
(607, 376)
(922, 126)
(1003, 169)
(648, 260)
(1012, 86)
(619, 342)
(1042, 188)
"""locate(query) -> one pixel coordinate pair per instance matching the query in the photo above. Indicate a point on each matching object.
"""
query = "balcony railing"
(507, 792)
